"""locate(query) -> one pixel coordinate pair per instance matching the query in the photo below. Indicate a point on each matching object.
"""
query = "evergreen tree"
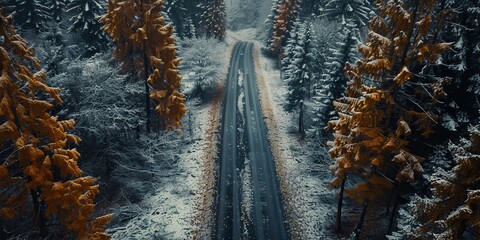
(30, 14)
(244, 14)
(299, 67)
(85, 20)
(57, 8)
(454, 207)
(179, 16)
(353, 15)
(35, 153)
(333, 81)
(461, 64)
(348, 11)
(380, 118)
(214, 19)
(146, 45)
(311, 7)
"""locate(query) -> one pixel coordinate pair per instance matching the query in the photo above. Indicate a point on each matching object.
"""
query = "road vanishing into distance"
(244, 135)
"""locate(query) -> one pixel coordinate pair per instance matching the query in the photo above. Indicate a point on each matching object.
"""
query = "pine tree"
(36, 158)
(31, 14)
(145, 43)
(380, 116)
(243, 14)
(299, 67)
(454, 206)
(333, 81)
(353, 11)
(57, 8)
(287, 13)
(85, 19)
(179, 16)
(461, 64)
(214, 19)
(353, 15)
(196, 11)
(311, 7)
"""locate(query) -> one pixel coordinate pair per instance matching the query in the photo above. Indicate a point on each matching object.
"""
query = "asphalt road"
(267, 212)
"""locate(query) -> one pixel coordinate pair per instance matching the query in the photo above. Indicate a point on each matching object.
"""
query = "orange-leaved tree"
(287, 12)
(145, 44)
(387, 102)
(37, 164)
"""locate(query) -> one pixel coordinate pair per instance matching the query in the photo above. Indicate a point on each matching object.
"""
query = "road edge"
(204, 218)
(278, 153)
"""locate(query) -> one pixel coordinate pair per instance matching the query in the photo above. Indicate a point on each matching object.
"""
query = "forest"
(240, 119)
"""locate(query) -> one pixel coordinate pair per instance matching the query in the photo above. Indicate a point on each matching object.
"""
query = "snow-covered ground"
(180, 206)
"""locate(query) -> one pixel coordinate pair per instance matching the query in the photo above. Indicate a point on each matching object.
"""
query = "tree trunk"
(394, 189)
(147, 93)
(37, 214)
(301, 128)
(358, 228)
(146, 65)
(394, 213)
(338, 221)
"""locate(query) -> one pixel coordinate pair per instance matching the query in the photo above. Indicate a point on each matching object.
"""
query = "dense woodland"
(92, 96)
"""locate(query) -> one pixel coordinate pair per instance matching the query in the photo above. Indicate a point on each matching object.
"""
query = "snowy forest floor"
(179, 203)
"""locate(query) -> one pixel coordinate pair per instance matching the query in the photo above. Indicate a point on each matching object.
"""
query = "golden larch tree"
(37, 164)
(287, 12)
(387, 102)
(145, 44)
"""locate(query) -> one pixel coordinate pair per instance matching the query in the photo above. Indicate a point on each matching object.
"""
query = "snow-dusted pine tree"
(353, 15)
(200, 58)
(178, 14)
(299, 67)
(86, 14)
(57, 8)
(348, 11)
(243, 14)
(332, 82)
(461, 64)
(31, 14)
(454, 209)
(213, 19)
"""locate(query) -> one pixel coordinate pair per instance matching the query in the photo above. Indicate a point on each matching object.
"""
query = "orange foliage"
(286, 16)
(372, 132)
(37, 144)
(145, 32)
